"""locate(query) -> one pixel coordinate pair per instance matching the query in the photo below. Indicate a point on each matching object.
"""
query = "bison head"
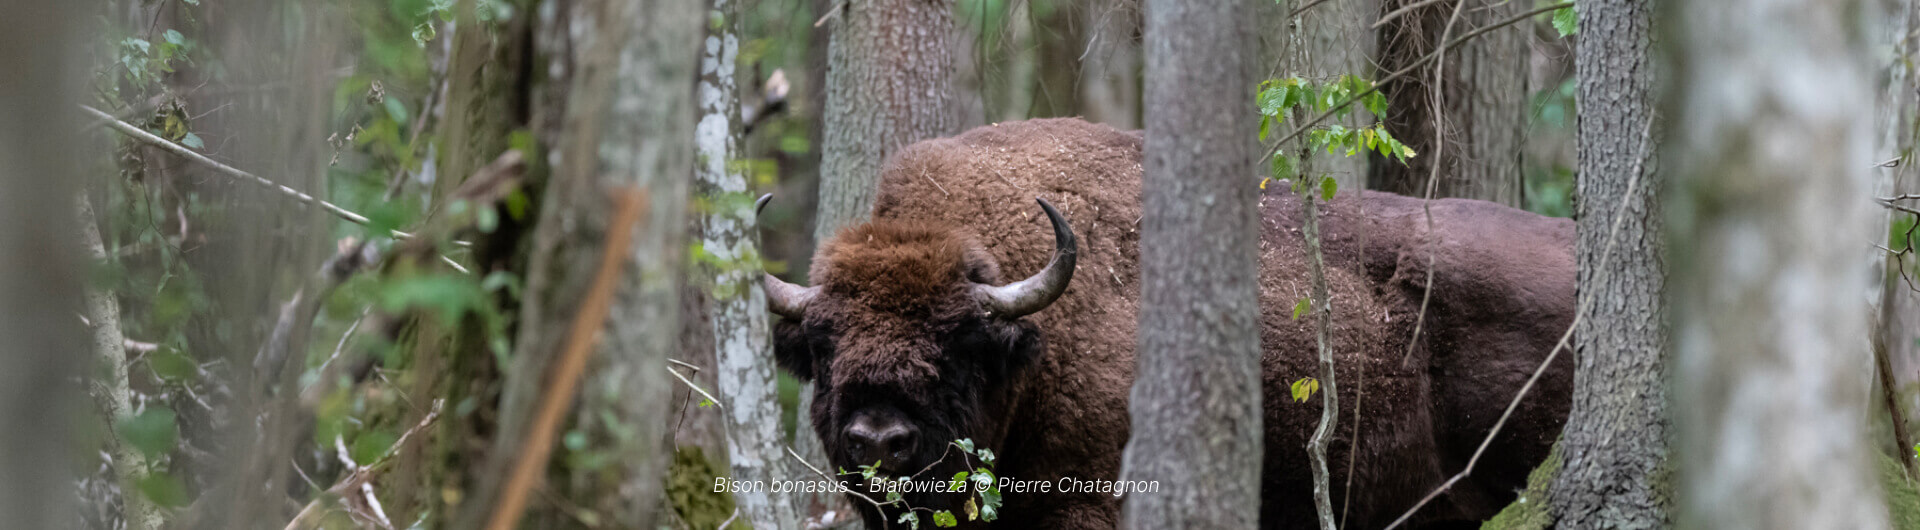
(910, 343)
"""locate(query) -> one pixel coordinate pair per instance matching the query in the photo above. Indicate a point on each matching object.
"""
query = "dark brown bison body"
(908, 352)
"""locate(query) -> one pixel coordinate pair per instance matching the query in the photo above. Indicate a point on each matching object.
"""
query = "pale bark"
(889, 71)
(1614, 447)
(1329, 390)
(1195, 406)
(1485, 98)
(738, 308)
(628, 123)
(109, 382)
(1770, 120)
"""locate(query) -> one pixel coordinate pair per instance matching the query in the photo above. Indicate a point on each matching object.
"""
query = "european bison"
(911, 345)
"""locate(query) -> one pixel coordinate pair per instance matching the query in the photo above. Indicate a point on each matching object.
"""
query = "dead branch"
(572, 362)
(1433, 180)
(360, 481)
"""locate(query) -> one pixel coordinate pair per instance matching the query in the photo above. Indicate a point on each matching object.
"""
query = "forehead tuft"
(894, 264)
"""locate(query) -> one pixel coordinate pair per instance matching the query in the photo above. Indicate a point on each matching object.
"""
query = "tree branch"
(1405, 70)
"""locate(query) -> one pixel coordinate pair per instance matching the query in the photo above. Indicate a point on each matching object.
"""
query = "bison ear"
(1024, 348)
(793, 349)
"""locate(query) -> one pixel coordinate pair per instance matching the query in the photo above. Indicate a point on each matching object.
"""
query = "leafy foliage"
(1278, 97)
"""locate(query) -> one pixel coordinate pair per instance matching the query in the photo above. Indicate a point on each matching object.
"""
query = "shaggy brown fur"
(895, 330)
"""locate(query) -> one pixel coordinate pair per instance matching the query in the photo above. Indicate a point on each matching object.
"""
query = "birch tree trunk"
(738, 308)
(109, 384)
(1485, 99)
(1614, 447)
(1771, 121)
(1195, 406)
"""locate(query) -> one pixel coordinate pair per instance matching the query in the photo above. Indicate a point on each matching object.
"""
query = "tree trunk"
(1614, 447)
(1110, 66)
(889, 70)
(1061, 41)
(1196, 405)
(737, 310)
(109, 385)
(628, 124)
(1770, 209)
(40, 265)
(1485, 96)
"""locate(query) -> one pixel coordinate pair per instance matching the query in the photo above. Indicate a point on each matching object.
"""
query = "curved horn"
(1028, 296)
(784, 299)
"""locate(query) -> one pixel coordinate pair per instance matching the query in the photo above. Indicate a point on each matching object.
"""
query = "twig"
(1302, 9)
(1402, 10)
(1433, 180)
(360, 478)
(1404, 71)
(571, 363)
(696, 388)
(1329, 391)
(144, 136)
(835, 10)
(1579, 313)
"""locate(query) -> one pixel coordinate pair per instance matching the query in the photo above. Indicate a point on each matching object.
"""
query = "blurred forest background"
(332, 247)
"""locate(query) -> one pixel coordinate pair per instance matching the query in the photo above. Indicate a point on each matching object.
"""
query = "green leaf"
(193, 141)
(986, 455)
(1264, 122)
(1301, 307)
(1327, 187)
(174, 37)
(152, 432)
(1377, 104)
(1283, 167)
(1304, 388)
(171, 365)
(370, 446)
(1566, 21)
(163, 489)
(910, 517)
(944, 519)
(989, 512)
(966, 444)
(1273, 100)
(958, 479)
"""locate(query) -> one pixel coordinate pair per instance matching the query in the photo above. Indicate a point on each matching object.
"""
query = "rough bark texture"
(39, 265)
(737, 311)
(109, 383)
(1771, 114)
(889, 67)
(1896, 339)
(629, 122)
(1195, 406)
(1485, 98)
(1614, 449)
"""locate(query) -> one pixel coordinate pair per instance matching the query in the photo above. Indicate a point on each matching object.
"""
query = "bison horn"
(784, 299)
(1028, 296)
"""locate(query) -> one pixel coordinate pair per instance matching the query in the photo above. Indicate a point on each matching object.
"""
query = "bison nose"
(884, 441)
